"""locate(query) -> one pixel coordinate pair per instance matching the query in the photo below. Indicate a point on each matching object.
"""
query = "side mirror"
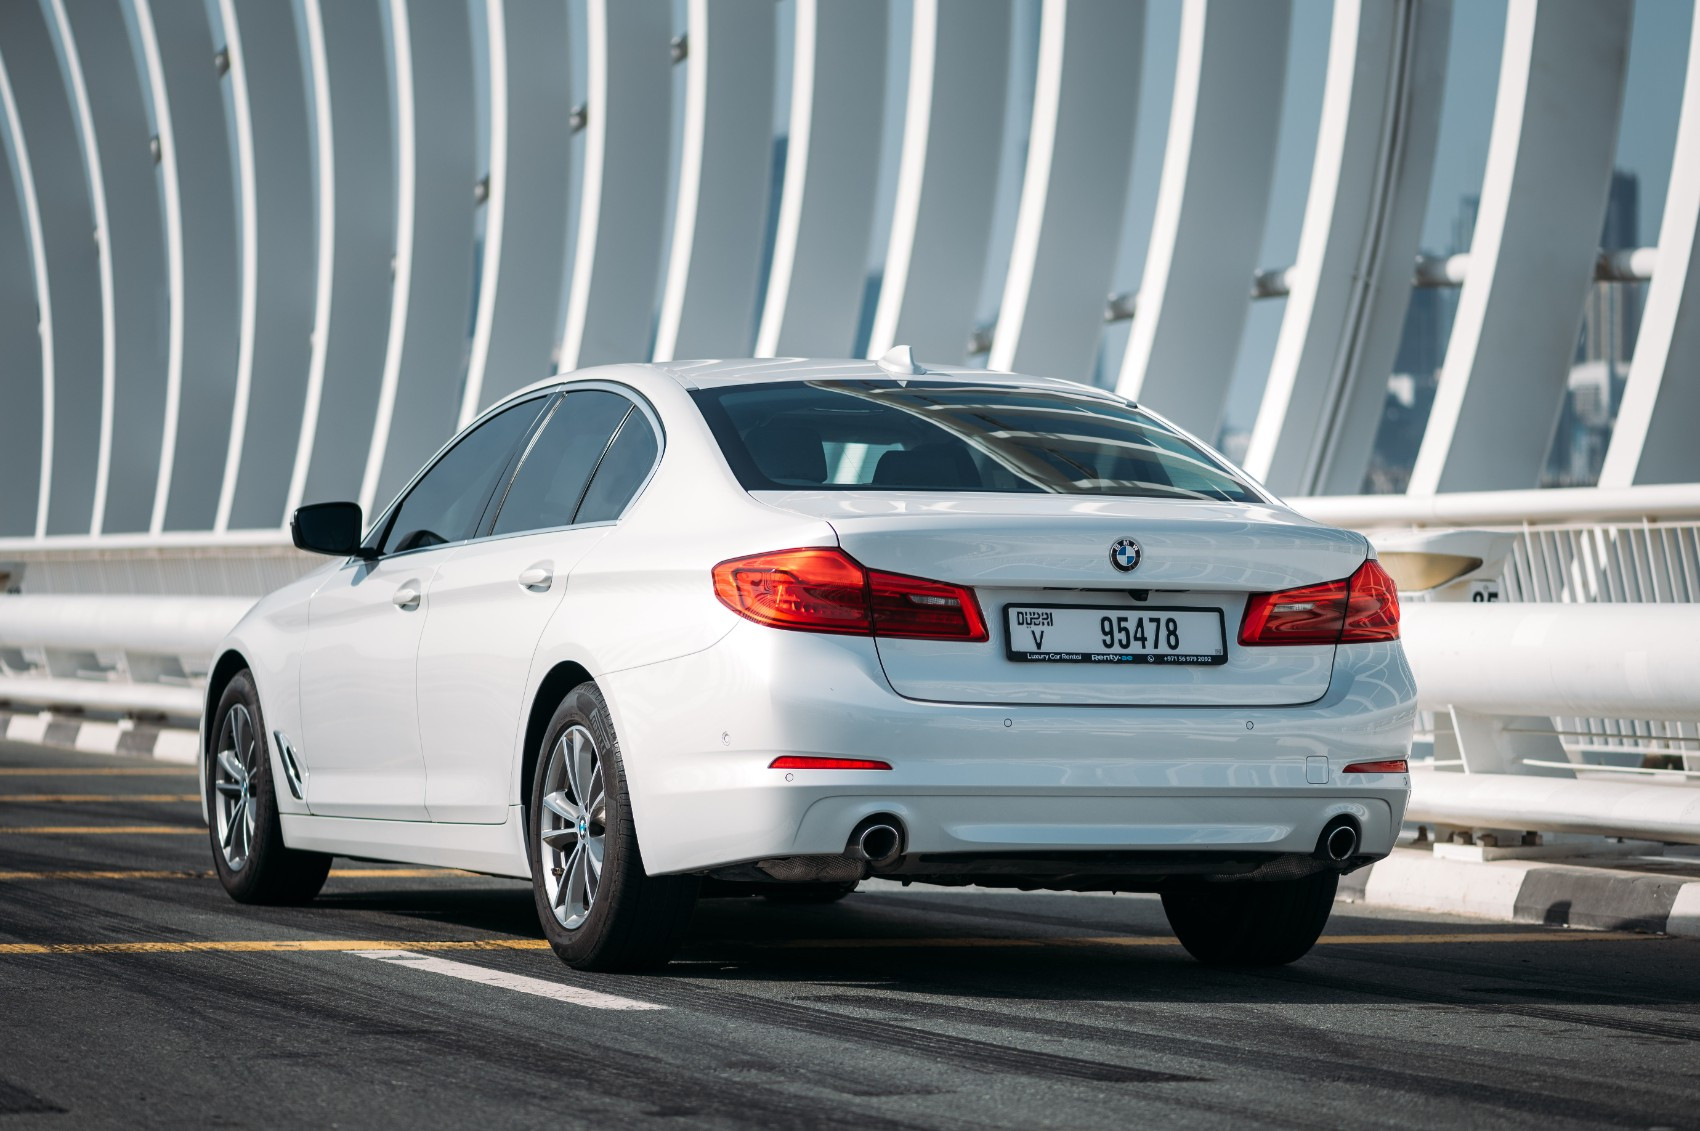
(329, 528)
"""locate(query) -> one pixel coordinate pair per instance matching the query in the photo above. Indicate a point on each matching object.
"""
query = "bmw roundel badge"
(1125, 554)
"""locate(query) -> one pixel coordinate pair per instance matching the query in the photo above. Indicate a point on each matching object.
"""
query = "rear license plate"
(1083, 634)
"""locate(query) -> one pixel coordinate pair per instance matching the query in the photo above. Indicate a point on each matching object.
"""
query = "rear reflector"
(826, 590)
(1356, 610)
(1391, 766)
(799, 762)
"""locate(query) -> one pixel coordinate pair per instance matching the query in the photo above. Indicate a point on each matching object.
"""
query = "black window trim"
(381, 528)
(638, 402)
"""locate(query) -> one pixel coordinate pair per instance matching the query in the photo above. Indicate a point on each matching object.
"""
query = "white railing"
(123, 655)
(1571, 703)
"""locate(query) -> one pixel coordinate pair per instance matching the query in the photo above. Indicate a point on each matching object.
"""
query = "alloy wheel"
(236, 772)
(573, 826)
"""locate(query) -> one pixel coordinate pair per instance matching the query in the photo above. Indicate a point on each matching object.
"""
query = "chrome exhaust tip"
(1340, 843)
(877, 842)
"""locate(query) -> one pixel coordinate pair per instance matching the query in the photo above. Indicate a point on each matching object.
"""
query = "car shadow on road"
(1009, 950)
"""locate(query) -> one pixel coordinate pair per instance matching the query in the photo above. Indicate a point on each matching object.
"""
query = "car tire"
(1254, 923)
(806, 893)
(600, 910)
(253, 863)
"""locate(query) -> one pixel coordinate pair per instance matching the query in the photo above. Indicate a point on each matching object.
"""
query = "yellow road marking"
(379, 873)
(1550, 935)
(145, 874)
(81, 830)
(250, 946)
(55, 798)
(55, 771)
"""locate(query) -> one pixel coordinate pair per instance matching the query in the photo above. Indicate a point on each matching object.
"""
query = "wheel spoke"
(578, 876)
(584, 765)
(229, 788)
(561, 839)
(597, 802)
(593, 853)
(559, 804)
(570, 743)
(228, 761)
(567, 873)
(236, 816)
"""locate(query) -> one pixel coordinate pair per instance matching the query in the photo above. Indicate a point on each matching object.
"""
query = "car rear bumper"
(699, 734)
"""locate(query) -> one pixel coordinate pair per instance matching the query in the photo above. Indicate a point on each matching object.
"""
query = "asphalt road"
(134, 993)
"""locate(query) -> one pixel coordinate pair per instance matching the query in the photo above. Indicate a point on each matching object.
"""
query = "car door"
(492, 598)
(360, 728)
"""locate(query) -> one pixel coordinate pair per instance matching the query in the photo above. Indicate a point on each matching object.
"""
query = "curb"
(93, 736)
(1521, 891)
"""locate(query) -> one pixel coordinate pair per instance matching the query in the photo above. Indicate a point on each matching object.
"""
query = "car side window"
(546, 491)
(448, 501)
(622, 471)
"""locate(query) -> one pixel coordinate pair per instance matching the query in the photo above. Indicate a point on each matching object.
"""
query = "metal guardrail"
(124, 655)
(1572, 702)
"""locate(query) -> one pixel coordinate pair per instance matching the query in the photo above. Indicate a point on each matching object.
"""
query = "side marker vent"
(291, 769)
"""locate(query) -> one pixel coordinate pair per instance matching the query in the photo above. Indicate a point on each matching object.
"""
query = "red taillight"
(1372, 611)
(820, 590)
(799, 762)
(1363, 607)
(1391, 766)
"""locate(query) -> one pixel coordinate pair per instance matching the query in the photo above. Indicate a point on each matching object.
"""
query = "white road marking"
(573, 995)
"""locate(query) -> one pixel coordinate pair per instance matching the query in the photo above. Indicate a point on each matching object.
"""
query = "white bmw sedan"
(646, 632)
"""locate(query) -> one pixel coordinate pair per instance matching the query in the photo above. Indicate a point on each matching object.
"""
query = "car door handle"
(406, 598)
(537, 577)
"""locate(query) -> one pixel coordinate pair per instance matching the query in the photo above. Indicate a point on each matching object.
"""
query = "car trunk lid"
(1041, 568)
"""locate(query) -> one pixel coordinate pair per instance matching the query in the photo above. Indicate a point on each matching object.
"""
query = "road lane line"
(197, 946)
(263, 946)
(81, 798)
(207, 874)
(1552, 935)
(55, 771)
(573, 995)
(115, 874)
(101, 830)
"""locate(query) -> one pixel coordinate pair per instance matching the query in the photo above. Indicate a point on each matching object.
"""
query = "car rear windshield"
(953, 436)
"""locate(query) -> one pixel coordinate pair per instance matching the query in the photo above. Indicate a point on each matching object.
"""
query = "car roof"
(722, 372)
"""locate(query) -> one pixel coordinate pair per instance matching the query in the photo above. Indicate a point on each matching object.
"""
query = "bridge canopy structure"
(255, 253)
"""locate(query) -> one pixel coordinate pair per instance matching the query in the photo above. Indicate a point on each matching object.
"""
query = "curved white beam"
(345, 41)
(820, 250)
(131, 244)
(26, 427)
(86, 134)
(59, 213)
(417, 405)
(1532, 257)
(274, 179)
(1654, 441)
(946, 180)
(708, 304)
(623, 199)
(1212, 200)
(519, 292)
(1079, 157)
(1351, 282)
(200, 220)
